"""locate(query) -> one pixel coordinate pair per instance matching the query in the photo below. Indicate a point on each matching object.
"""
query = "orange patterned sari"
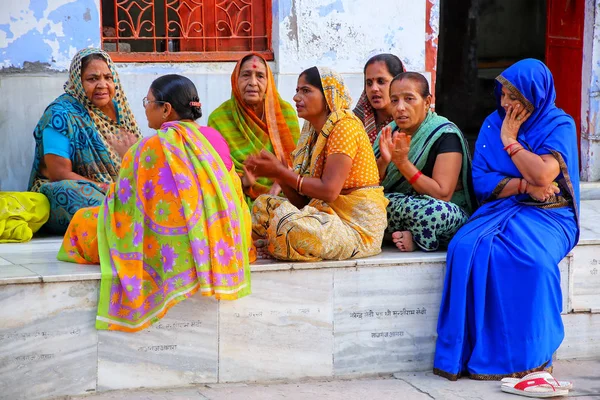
(174, 223)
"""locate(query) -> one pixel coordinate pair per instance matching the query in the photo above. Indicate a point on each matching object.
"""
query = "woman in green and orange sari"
(256, 118)
(174, 223)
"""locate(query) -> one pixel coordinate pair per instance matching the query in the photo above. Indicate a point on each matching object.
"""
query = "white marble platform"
(329, 319)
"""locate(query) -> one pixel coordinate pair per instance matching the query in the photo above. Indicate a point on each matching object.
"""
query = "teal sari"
(432, 128)
(88, 130)
(432, 222)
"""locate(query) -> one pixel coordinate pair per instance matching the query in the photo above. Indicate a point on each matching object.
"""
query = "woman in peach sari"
(173, 224)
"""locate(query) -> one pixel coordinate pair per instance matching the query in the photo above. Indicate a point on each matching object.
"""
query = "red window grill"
(185, 30)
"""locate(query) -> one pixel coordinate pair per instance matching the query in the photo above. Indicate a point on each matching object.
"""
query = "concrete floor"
(585, 376)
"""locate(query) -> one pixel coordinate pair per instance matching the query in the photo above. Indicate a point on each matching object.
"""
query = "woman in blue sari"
(500, 312)
(81, 138)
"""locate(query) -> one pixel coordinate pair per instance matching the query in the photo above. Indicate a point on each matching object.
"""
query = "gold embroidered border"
(498, 189)
(553, 202)
(490, 377)
(447, 375)
(519, 375)
(504, 82)
(567, 178)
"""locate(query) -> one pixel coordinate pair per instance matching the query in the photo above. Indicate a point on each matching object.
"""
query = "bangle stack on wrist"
(299, 182)
(513, 148)
(524, 184)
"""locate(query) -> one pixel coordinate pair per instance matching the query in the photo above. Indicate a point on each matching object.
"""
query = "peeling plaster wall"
(30, 94)
(39, 37)
(345, 33)
(48, 32)
(590, 107)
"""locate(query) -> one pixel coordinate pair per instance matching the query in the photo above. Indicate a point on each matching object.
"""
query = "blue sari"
(500, 311)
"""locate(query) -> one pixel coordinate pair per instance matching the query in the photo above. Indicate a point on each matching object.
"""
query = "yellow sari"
(21, 215)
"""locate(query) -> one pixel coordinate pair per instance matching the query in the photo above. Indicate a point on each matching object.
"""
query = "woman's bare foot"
(403, 240)
(261, 249)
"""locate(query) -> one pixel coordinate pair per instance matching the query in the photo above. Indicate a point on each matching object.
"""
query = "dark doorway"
(478, 40)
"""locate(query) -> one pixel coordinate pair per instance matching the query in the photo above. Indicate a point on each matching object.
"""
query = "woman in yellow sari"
(335, 208)
(173, 224)
(256, 118)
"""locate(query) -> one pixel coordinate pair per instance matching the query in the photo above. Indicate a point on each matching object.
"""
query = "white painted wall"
(341, 34)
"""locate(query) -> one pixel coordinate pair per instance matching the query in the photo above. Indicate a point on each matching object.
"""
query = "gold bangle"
(300, 186)
(298, 182)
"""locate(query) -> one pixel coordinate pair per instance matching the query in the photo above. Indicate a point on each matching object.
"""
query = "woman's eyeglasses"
(145, 101)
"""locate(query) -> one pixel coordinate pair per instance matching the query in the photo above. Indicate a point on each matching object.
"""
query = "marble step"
(589, 190)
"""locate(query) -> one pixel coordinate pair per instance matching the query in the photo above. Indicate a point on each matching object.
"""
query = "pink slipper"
(538, 384)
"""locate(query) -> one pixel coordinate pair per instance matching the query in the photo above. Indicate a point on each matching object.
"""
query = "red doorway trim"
(432, 24)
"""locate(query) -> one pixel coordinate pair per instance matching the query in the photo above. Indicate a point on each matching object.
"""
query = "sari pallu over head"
(430, 130)
(548, 130)
(87, 128)
(309, 153)
(172, 225)
(247, 134)
(366, 113)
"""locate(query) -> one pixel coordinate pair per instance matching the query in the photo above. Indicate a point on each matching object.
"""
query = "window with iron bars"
(185, 30)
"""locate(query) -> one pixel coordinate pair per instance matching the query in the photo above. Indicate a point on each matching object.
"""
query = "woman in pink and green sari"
(174, 223)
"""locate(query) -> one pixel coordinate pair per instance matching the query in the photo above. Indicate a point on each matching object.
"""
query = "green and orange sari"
(247, 134)
(173, 224)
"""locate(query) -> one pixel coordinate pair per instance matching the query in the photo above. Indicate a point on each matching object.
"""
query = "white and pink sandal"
(538, 384)
(559, 384)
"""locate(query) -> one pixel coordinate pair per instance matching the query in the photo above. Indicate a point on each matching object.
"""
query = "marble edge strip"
(370, 262)
(28, 276)
(588, 242)
(71, 277)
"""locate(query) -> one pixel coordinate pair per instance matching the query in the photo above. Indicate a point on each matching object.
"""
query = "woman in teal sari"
(424, 166)
(81, 138)
(500, 311)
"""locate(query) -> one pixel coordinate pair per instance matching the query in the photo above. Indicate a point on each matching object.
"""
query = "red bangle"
(298, 183)
(415, 177)
(507, 148)
(519, 186)
(300, 186)
(516, 151)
